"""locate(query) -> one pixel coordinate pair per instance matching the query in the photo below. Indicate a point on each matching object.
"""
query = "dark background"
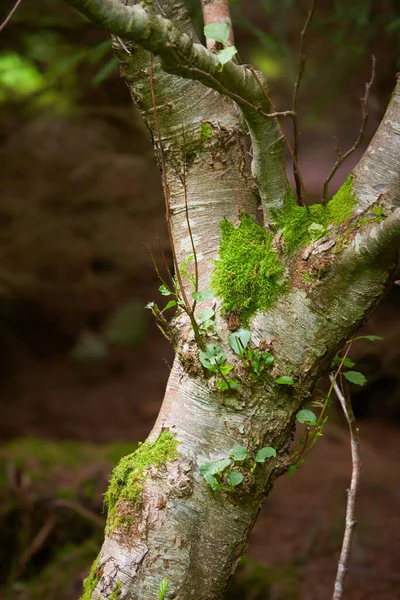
(83, 368)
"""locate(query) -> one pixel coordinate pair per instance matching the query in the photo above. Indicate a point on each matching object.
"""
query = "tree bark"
(164, 520)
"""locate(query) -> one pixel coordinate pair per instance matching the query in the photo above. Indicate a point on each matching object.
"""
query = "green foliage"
(213, 359)
(162, 590)
(220, 33)
(252, 358)
(129, 475)
(214, 472)
(239, 453)
(284, 380)
(355, 377)
(205, 131)
(300, 225)
(266, 452)
(217, 31)
(248, 276)
(306, 416)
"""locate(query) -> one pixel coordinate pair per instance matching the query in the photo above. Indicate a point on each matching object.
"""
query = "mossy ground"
(249, 274)
(129, 475)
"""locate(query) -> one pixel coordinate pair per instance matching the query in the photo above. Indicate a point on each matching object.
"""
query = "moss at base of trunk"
(249, 275)
(128, 477)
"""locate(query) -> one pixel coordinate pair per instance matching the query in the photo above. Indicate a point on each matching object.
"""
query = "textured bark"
(180, 529)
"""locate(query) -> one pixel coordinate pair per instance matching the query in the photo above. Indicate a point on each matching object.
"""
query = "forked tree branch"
(180, 56)
(345, 403)
(217, 11)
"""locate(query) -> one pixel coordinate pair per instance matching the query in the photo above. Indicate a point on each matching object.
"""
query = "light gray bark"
(181, 529)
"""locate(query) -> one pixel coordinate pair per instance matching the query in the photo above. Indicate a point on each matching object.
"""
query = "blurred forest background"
(83, 369)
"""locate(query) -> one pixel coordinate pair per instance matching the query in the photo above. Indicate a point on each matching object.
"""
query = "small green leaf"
(212, 481)
(170, 304)
(205, 315)
(226, 54)
(164, 290)
(306, 416)
(220, 465)
(233, 385)
(225, 369)
(212, 356)
(267, 359)
(203, 295)
(163, 589)
(347, 362)
(234, 478)
(284, 380)
(239, 453)
(316, 231)
(291, 470)
(217, 31)
(355, 377)
(371, 338)
(239, 340)
(266, 452)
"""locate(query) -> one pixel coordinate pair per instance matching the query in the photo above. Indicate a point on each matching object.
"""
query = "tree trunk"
(164, 520)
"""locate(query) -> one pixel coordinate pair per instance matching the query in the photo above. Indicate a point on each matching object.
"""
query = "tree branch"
(180, 56)
(217, 11)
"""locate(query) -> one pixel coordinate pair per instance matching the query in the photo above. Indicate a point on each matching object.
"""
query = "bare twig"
(196, 264)
(80, 510)
(217, 11)
(186, 305)
(6, 21)
(302, 196)
(344, 399)
(300, 73)
(364, 119)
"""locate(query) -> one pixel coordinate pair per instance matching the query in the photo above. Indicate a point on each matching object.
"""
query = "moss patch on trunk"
(128, 478)
(249, 275)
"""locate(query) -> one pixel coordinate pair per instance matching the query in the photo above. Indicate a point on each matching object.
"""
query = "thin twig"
(166, 188)
(296, 169)
(344, 399)
(196, 264)
(80, 510)
(6, 21)
(300, 73)
(36, 544)
(364, 119)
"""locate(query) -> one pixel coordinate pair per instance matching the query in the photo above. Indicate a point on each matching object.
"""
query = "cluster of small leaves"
(213, 358)
(219, 478)
(204, 318)
(220, 33)
(314, 426)
(253, 359)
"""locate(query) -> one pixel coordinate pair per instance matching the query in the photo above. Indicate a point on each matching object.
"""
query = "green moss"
(343, 203)
(379, 213)
(91, 581)
(308, 278)
(205, 131)
(116, 592)
(248, 276)
(300, 225)
(128, 477)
